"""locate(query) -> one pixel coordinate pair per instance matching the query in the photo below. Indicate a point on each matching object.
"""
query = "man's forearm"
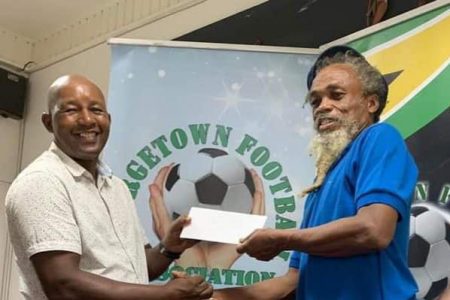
(84, 285)
(157, 263)
(360, 234)
(339, 238)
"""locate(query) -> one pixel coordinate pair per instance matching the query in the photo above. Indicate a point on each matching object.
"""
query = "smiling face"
(337, 99)
(78, 119)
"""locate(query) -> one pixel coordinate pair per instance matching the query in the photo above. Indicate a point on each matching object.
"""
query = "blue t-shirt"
(376, 167)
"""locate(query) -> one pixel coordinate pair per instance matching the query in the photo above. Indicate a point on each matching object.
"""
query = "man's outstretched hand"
(262, 244)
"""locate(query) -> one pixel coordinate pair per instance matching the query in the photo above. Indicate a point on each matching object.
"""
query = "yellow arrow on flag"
(417, 55)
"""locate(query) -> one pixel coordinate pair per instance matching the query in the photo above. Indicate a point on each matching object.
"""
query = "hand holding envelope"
(220, 226)
(205, 253)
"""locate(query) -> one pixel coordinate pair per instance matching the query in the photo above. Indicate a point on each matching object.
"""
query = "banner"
(212, 115)
(414, 56)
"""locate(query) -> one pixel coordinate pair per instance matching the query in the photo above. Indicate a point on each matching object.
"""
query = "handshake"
(188, 287)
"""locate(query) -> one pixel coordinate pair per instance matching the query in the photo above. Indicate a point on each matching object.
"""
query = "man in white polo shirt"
(74, 226)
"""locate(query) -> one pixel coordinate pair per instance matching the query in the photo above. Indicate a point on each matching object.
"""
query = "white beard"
(326, 148)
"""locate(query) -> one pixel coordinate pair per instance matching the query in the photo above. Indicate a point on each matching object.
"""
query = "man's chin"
(327, 129)
(86, 154)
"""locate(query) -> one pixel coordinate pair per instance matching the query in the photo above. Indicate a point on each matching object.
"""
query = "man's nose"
(86, 117)
(325, 105)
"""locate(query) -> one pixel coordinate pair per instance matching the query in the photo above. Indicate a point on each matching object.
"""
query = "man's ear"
(372, 103)
(46, 119)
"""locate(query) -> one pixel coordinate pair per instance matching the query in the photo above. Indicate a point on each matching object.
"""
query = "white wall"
(10, 138)
(93, 63)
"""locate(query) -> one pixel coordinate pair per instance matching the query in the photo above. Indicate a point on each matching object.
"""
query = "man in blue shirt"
(353, 240)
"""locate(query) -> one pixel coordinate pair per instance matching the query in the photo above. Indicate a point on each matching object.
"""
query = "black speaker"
(12, 94)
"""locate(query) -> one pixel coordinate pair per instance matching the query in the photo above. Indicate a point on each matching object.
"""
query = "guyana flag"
(414, 57)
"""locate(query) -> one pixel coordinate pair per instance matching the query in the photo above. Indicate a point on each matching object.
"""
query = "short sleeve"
(40, 215)
(294, 262)
(387, 173)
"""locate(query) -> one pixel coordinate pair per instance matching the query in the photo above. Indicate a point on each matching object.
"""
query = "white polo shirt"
(54, 204)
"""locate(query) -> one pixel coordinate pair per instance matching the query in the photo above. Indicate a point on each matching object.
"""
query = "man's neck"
(90, 166)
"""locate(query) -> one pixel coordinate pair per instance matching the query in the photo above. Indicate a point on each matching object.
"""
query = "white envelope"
(220, 226)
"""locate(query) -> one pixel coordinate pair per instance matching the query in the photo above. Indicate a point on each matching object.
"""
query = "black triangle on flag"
(390, 77)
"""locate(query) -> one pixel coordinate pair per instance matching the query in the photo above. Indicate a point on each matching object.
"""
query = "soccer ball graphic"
(429, 250)
(209, 179)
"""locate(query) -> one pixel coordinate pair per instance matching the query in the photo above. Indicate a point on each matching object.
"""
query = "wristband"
(169, 254)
